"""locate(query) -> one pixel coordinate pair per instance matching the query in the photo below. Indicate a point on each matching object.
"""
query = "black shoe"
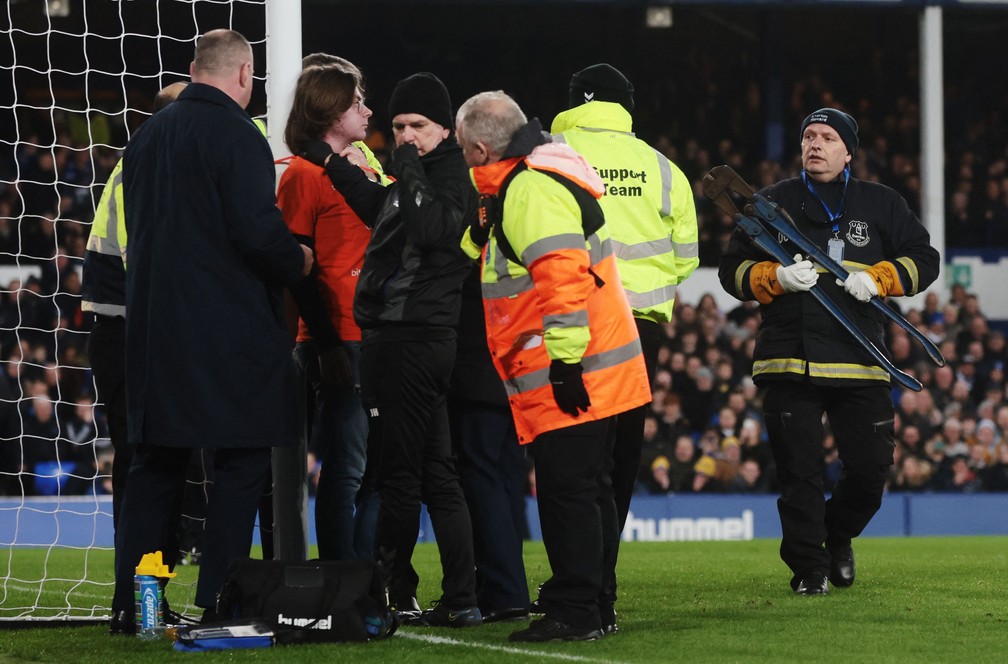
(608, 616)
(547, 629)
(504, 614)
(123, 623)
(842, 569)
(442, 616)
(813, 583)
(407, 609)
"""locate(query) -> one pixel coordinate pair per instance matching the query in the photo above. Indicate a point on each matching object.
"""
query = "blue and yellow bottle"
(149, 596)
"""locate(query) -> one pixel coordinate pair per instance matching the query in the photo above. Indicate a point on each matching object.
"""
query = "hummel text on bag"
(322, 623)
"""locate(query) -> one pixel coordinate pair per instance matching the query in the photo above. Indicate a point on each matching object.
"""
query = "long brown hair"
(322, 95)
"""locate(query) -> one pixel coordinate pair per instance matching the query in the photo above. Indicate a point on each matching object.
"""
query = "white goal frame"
(56, 551)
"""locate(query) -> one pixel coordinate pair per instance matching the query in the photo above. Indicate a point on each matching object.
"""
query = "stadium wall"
(83, 521)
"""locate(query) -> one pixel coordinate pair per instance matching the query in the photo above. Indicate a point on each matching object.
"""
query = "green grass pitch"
(915, 600)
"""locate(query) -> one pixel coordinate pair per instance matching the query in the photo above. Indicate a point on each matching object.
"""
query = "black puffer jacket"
(411, 281)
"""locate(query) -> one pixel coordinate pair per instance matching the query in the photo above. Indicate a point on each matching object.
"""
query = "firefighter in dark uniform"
(809, 365)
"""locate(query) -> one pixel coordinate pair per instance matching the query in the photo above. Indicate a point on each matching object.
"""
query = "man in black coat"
(208, 359)
(407, 306)
(809, 365)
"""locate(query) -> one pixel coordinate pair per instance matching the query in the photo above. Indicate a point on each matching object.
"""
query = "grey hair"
(490, 118)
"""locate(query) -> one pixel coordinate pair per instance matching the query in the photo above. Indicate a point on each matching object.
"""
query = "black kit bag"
(309, 602)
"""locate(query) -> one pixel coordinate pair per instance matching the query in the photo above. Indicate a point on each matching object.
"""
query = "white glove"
(861, 286)
(798, 277)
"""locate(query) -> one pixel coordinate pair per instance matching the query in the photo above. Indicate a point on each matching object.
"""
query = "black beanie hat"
(601, 82)
(843, 123)
(423, 94)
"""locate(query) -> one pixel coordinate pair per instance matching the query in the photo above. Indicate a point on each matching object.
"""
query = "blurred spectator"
(957, 477)
(658, 481)
(995, 476)
(704, 471)
(913, 474)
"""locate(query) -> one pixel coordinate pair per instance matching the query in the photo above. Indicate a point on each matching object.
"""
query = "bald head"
(223, 59)
(168, 94)
(485, 124)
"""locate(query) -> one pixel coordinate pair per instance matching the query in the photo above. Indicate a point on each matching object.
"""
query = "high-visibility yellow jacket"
(103, 280)
(561, 301)
(648, 205)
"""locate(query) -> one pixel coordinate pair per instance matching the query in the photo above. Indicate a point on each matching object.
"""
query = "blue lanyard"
(833, 216)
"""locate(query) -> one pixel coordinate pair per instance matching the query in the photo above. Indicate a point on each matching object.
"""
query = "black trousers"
(861, 419)
(149, 513)
(491, 466)
(578, 519)
(629, 442)
(107, 351)
(403, 386)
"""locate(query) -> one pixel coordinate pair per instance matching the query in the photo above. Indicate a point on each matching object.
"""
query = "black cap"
(601, 82)
(423, 94)
(843, 123)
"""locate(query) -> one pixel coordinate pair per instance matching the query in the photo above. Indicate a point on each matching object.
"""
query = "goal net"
(81, 76)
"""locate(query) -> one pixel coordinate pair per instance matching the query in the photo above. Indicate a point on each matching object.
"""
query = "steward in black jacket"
(407, 306)
(798, 339)
(413, 269)
(810, 365)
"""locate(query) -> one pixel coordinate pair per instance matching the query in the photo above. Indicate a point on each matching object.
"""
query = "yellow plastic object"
(152, 565)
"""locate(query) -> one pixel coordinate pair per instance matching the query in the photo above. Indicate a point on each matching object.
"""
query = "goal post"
(80, 77)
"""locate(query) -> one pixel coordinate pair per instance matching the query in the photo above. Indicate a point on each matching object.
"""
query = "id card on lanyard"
(835, 245)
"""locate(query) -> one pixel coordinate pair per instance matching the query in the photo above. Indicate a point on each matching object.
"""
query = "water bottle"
(149, 596)
(149, 618)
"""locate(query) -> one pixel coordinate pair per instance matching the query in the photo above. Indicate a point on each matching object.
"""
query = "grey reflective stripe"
(600, 130)
(104, 245)
(686, 250)
(508, 287)
(598, 249)
(779, 365)
(848, 371)
(530, 381)
(570, 319)
(540, 248)
(911, 269)
(500, 264)
(740, 272)
(644, 301)
(596, 362)
(559, 138)
(104, 309)
(666, 184)
(611, 358)
(112, 228)
(629, 252)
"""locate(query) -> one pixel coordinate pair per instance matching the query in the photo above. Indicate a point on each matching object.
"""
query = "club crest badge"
(857, 233)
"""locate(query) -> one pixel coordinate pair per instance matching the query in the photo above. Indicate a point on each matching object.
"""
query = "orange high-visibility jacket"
(562, 301)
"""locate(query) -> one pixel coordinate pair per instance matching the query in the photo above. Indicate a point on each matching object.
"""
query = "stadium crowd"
(704, 432)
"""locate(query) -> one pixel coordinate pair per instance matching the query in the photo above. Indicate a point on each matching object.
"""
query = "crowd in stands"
(705, 431)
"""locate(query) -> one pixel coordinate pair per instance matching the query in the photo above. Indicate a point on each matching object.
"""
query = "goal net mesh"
(77, 77)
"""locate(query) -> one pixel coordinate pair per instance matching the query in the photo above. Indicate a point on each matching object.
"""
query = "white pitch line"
(444, 640)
